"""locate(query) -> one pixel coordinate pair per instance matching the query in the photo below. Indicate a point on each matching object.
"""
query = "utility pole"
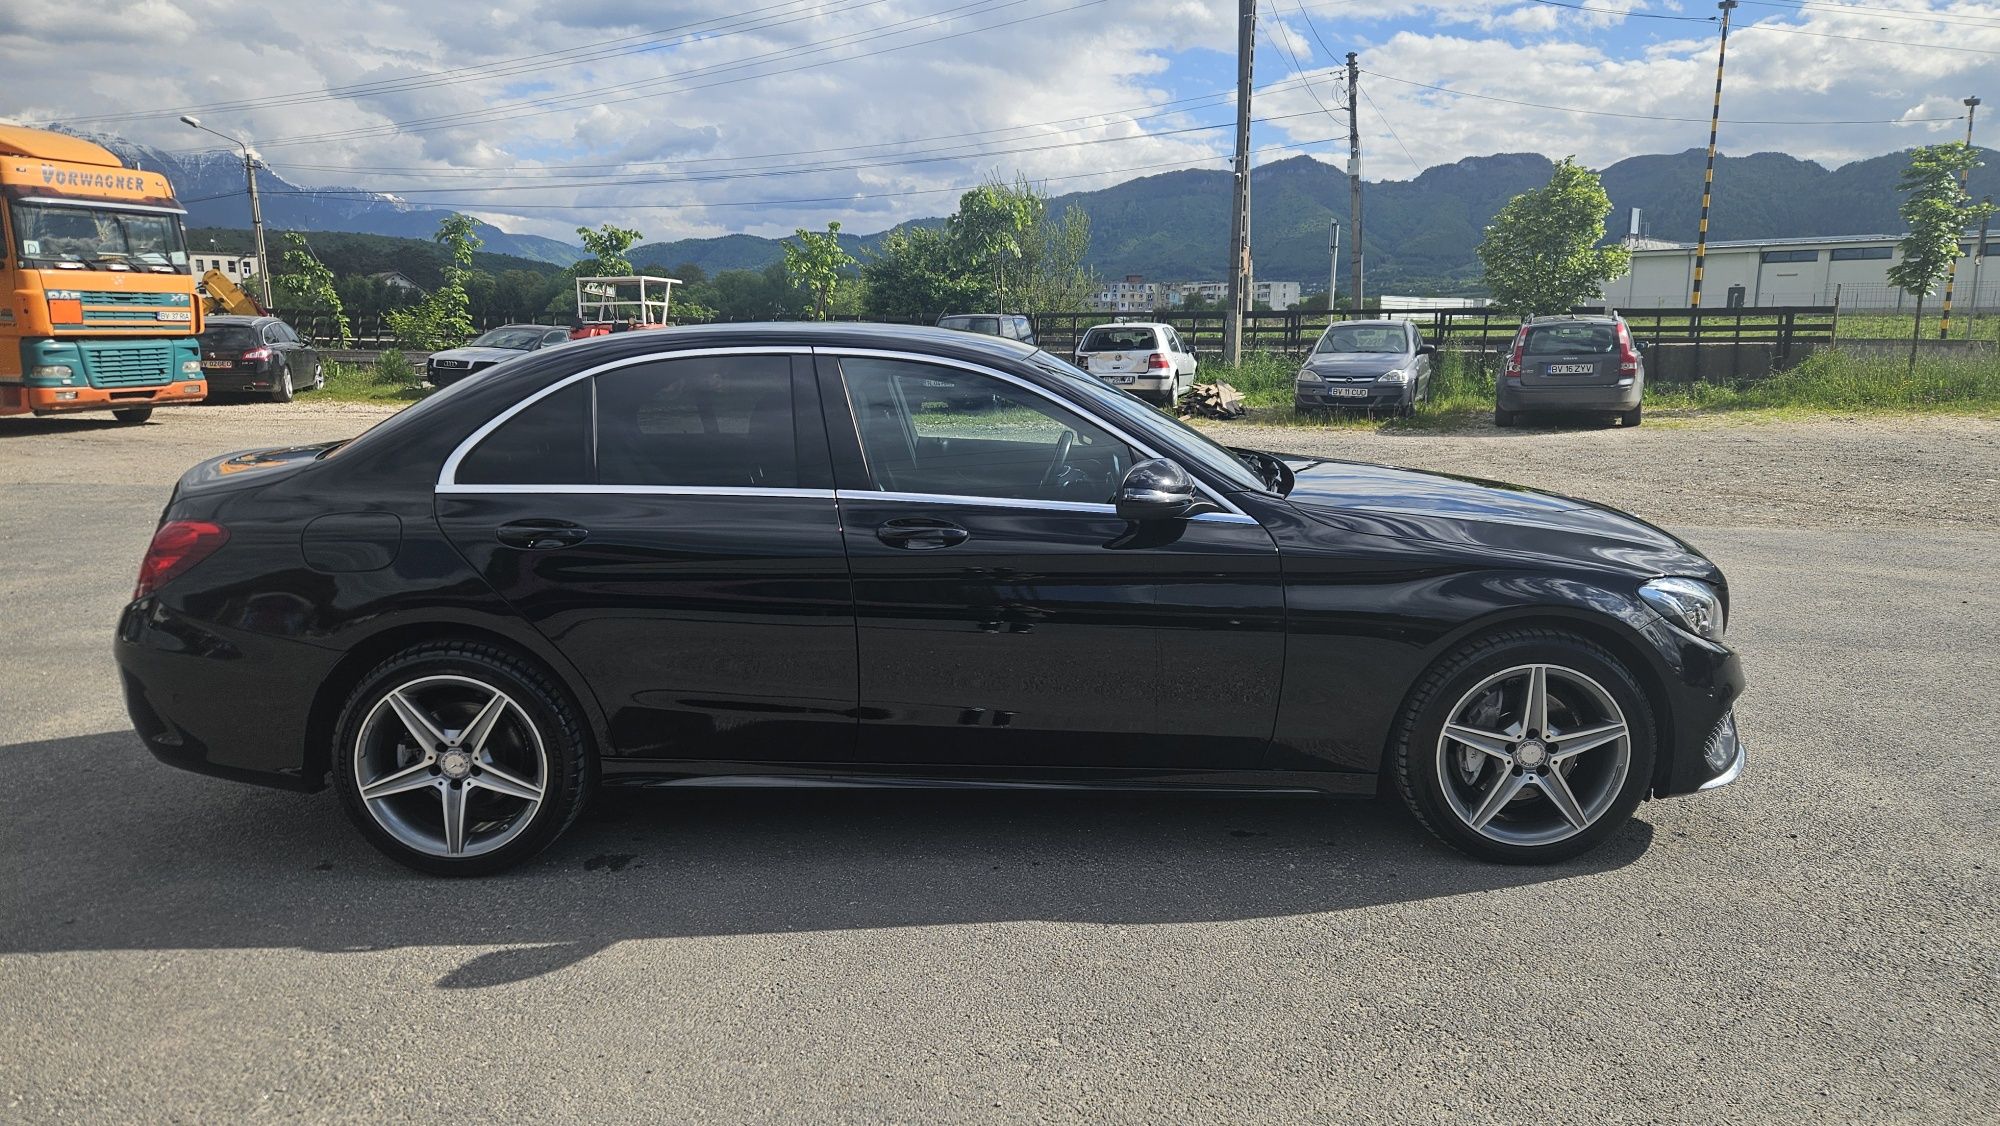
(1978, 260)
(1239, 215)
(1355, 295)
(1708, 176)
(256, 205)
(1951, 272)
(1332, 265)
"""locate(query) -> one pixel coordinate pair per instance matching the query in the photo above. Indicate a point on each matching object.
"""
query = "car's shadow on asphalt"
(108, 850)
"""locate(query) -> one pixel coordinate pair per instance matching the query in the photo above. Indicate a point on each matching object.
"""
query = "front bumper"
(1349, 396)
(1701, 694)
(445, 377)
(67, 400)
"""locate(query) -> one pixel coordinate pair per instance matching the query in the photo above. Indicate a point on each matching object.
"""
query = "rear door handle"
(542, 535)
(921, 533)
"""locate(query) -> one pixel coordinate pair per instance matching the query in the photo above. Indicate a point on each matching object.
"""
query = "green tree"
(443, 318)
(993, 227)
(919, 274)
(305, 285)
(1541, 255)
(1056, 278)
(608, 246)
(815, 264)
(1937, 209)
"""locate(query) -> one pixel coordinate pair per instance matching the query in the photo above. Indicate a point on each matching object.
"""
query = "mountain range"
(1420, 234)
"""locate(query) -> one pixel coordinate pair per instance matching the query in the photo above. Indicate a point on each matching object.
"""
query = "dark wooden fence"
(1292, 332)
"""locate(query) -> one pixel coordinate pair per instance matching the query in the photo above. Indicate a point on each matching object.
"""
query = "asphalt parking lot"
(1819, 942)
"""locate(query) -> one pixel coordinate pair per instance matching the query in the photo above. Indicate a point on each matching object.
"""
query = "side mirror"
(1157, 489)
(1427, 349)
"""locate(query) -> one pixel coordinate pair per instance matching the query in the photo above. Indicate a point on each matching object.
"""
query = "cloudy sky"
(697, 117)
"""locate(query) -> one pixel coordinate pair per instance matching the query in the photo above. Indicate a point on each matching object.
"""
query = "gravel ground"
(1818, 943)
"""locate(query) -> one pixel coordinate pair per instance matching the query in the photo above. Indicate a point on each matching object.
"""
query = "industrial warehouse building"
(1852, 270)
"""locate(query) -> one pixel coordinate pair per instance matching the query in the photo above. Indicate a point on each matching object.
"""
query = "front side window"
(548, 443)
(705, 421)
(950, 432)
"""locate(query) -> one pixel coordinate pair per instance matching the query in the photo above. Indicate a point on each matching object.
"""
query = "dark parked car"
(1575, 363)
(493, 346)
(1371, 364)
(1006, 326)
(258, 356)
(829, 555)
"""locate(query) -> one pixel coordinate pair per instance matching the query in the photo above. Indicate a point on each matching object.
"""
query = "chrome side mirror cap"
(1157, 489)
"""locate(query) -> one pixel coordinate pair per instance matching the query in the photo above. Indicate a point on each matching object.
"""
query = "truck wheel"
(132, 415)
(281, 387)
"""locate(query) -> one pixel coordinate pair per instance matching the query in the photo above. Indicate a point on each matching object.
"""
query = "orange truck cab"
(99, 309)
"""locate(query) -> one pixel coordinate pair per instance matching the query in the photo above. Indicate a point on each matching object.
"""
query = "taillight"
(1514, 357)
(1158, 360)
(257, 354)
(1628, 356)
(176, 547)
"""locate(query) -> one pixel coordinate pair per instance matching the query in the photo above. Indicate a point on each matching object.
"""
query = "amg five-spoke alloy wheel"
(1527, 747)
(459, 759)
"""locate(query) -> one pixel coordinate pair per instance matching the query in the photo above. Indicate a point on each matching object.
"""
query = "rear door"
(1570, 354)
(669, 524)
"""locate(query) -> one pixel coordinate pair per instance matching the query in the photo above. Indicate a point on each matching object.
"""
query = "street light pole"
(256, 205)
(1333, 266)
(1951, 271)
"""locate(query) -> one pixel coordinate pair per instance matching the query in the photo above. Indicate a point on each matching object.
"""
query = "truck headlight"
(61, 373)
(1397, 375)
(1690, 604)
(190, 367)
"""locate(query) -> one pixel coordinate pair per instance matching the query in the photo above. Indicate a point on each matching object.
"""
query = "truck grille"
(120, 363)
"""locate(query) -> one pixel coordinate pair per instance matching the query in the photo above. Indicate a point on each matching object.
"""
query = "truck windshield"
(46, 234)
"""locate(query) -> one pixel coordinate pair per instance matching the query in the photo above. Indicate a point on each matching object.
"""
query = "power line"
(1654, 116)
(481, 206)
(1866, 39)
(1626, 14)
(1926, 16)
(1366, 97)
(1297, 66)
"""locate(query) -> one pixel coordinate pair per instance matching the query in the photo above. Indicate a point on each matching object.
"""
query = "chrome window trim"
(948, 361)
(637, 490)
(1094, 508)
(447, 481)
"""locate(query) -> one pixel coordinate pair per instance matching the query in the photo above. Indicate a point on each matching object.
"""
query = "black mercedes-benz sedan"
(839, 555)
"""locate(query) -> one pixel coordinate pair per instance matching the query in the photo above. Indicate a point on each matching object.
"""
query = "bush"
(394, 369)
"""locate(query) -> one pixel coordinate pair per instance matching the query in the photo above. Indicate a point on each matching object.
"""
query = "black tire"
(132, 416)
(1414, 757)
(281, 386)
(1633, 416)
(1505, 419)
(568, 773)
(319, 376)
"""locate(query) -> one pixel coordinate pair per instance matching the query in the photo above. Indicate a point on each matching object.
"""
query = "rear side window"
(709, 421)
(1118, 339)
(1572, 339)
(548, 443)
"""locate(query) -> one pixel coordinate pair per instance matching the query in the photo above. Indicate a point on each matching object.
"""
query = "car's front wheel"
(460, 759)
(1526, 747)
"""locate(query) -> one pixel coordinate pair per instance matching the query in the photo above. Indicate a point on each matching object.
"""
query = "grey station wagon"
(1578, 363)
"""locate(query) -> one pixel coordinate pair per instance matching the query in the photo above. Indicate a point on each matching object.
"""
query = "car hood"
(1486, 516)
(1355, 364)
(479, 355)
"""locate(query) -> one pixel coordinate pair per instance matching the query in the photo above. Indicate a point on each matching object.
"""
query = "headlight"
(51, 371)
(1690, 604)
(1396, 376)
(1308, 375)
(190, 367)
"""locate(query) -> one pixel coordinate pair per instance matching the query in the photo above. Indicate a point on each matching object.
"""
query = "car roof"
(523, 324)
(1579, 318)
(234, 319)
(1374, 322)
(949, 316)
(1129, 324)
(803, 334)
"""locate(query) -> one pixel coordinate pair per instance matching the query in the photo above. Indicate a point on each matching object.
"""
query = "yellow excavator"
(221, 295)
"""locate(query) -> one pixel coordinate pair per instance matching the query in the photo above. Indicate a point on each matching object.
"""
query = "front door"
(1007, 616)
(670, 526)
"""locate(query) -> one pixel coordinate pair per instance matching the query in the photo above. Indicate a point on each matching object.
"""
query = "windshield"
(1118, 340)
(518, 337)
(1169, 431)
(1363, 338)
(47, 234)
(989, 326)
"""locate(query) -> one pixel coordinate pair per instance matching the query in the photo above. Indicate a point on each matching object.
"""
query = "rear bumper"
(1138, 384)
(226, 382)
(1525, 398)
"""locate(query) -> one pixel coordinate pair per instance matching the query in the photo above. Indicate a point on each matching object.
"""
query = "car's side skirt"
(890, 776)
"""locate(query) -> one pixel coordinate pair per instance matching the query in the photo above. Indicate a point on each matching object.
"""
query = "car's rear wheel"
(460, 759)
(1526, 747)
(281, 387)
(132, 415)
(1505, 418)
(1633, 416)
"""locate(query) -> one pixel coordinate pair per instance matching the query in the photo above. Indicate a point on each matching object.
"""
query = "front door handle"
(542, 535)
(921, 533)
